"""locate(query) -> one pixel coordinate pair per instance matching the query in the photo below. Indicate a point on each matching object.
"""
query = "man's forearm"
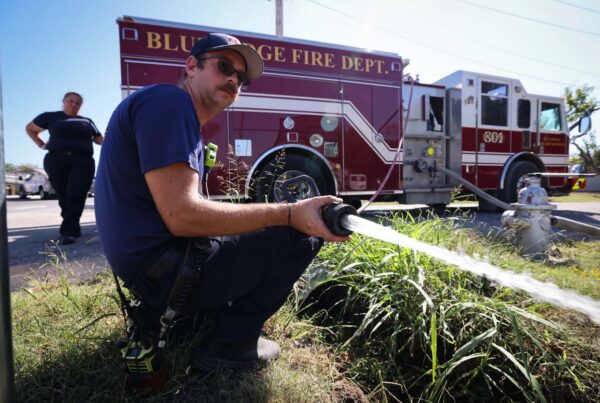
(210, 218)
(175, 192)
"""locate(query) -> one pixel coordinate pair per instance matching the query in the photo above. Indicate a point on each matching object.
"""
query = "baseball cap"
(214, 41)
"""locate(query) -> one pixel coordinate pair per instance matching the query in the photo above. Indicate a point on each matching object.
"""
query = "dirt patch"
(577, 326)
(347, 391)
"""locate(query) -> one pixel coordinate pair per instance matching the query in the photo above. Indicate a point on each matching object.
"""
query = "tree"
(12, 168)
(579, 102)
(27, 167)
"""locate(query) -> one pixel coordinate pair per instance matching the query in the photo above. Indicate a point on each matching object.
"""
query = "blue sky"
(50, 47)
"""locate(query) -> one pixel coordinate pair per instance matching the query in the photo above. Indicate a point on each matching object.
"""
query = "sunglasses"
(227, 69)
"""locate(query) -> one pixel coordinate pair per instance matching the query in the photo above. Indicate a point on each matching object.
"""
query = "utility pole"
(279, 18)
(7, 391)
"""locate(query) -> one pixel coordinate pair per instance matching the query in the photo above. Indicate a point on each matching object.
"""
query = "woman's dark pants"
(71, 177)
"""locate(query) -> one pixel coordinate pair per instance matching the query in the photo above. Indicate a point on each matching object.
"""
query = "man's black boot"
(235, 354)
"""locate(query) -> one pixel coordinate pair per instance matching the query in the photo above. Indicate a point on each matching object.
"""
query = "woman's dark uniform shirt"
(72, 134)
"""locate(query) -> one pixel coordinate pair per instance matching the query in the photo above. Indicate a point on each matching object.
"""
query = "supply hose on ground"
(476, 190)
(575, 226)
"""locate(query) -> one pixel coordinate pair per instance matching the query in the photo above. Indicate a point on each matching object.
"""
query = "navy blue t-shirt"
(153, 128)
(68, 133)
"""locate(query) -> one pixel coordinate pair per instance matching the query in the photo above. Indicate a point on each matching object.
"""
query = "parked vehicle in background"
(36, 183)
(578, 183)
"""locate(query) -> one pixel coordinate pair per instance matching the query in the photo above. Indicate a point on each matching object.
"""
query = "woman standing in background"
(69, 162)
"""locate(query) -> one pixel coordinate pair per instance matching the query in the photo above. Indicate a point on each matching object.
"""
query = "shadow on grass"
(65, 339)
(92, 371)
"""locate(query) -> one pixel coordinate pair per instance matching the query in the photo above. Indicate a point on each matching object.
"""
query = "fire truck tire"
(514, 179)
(267, 182)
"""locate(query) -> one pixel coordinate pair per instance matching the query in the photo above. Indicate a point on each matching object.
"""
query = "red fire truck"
(340, 114)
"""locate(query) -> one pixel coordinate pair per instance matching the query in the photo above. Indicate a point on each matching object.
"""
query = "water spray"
(343, 220)
(544, 291)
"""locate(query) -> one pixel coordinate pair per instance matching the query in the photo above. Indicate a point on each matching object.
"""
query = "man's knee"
(304, 245)
(298, 253)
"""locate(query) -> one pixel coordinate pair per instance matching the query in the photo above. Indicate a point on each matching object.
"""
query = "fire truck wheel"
(515, 179)
(267, 185)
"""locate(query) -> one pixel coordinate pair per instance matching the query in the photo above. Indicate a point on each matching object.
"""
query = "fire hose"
(484, 195)
(576, 226)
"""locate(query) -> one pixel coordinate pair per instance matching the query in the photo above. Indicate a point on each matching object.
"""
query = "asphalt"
(33, 250)
(35, 255)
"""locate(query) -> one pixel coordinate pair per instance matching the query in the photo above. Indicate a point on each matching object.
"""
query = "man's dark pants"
(246, 279)
(71, 176)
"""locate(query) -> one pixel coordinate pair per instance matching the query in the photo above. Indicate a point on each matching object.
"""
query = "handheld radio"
(210, 156)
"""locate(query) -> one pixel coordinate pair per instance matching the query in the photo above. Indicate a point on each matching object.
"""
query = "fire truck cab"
(499, 133)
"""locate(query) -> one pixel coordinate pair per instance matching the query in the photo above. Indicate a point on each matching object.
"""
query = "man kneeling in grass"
(151, 218)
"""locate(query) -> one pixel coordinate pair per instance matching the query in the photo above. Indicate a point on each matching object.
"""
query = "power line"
(530, 19)
(593, 10)
(441, 50)
(528, 57)
(510, 52)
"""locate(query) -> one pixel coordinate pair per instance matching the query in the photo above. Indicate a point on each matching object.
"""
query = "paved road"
(32, 234)
(33, 231)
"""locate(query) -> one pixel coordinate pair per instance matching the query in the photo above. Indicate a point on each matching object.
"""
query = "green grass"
(386, 322)
(65, 350)
(571, 265)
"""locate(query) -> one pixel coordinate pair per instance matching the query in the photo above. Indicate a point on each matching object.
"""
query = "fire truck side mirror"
(585, 124)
